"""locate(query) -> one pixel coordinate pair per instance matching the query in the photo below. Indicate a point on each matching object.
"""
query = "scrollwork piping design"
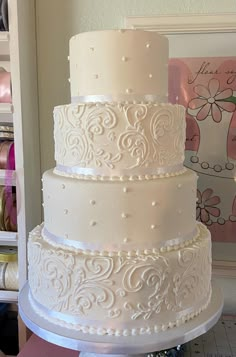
(119, 136)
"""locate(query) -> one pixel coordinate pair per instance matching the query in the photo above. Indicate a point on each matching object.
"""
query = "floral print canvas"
(207, 89)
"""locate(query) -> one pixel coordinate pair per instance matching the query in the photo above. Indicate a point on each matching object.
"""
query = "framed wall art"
(202, 77)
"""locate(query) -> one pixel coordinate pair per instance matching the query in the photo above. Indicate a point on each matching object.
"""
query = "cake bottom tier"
(119, 294)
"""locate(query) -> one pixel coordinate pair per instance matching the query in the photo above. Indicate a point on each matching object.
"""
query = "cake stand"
(112, 346)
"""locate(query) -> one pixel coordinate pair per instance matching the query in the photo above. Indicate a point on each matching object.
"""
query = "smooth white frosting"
(119, 295)
(120, 215)
(118, 62)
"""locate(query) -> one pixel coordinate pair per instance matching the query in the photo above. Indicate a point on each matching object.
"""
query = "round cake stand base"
(97, 346)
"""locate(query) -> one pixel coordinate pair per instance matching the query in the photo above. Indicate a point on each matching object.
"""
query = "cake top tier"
(118, 64)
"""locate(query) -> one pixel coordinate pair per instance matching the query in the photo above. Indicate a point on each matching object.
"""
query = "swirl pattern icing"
(118, 139)
(141, 293)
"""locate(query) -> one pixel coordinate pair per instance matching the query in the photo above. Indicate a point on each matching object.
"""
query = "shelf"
(7, 177)
(8, 238)
(4, 43)
(6, 108)
(8, 296)
(6, 118)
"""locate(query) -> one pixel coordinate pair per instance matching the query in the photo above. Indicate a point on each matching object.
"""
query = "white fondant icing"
(120, 252)
(101, 52)
(136, 199)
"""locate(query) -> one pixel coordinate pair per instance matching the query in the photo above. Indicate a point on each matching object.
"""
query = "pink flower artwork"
(206, 205)
(210, 100)
(206, 87)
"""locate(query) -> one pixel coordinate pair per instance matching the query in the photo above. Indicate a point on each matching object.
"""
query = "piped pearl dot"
(123, 59)
(66, 211)
(179, 185)
(154, 203)
(128, 90)
(125, 189)
(93, 223)
(43, 204)
(148, 45)
(63, 186)
(153, 226)
(150, 75)
(69, 80)
(68, 58)
(180, 211)
(92, 202)
(124, 215)
(125, 240)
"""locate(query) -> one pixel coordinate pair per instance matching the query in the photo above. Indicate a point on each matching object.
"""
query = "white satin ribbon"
(88, 171)
(119, 98)
(80, 322)
(111, 247)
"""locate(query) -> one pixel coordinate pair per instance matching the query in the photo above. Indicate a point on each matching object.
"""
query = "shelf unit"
(8, 238)
(18, 48)
(9, 296)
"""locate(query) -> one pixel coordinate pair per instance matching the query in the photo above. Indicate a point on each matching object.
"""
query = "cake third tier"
(120, 215)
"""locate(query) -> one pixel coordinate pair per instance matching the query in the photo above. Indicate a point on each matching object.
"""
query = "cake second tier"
(119, 139)
(120, 215)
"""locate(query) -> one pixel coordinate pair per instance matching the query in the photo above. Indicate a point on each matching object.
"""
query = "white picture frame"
(197, 35)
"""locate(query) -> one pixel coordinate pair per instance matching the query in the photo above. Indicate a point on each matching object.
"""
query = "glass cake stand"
(105, 346)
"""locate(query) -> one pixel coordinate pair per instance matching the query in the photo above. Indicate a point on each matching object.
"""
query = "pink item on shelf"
(5, 87)
(4, 152)
(7, 155)
(11, 158)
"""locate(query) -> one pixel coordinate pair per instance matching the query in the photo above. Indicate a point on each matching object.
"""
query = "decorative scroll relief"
(120, 137)
(120, 290)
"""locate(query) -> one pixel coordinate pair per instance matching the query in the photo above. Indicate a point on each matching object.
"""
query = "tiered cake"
(120, 252)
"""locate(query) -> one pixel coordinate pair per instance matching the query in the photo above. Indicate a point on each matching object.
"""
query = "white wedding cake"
(120, 252)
